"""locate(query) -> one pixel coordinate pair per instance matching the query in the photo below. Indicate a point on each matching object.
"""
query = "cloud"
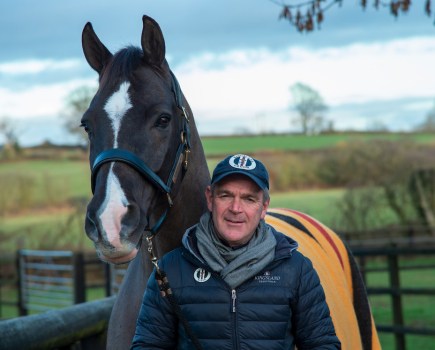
(358, 73)
(249, 89)
(39, 100)
(245, 84)
(26, 67)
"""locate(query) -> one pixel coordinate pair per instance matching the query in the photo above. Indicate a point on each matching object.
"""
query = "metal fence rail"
(49, 280)
(46, 280)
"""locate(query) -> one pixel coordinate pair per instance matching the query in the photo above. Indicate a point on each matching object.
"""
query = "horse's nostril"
(91, 228)
(131, 219)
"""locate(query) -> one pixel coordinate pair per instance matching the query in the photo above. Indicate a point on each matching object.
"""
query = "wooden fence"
(47, 280)
(395, 290)
(391, 255)
(52, 286)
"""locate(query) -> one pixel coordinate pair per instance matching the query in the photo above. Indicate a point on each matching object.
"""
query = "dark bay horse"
(149, 174)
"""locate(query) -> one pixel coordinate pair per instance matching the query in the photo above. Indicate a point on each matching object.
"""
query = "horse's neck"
(189, 201)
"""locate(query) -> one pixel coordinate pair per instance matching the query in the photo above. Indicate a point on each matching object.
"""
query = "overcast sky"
(235, 61)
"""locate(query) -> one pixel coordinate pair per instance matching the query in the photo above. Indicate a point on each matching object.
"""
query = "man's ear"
(265, 207)
(209, 197)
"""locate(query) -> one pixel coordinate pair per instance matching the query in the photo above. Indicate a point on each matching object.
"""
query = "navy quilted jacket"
(281, 307)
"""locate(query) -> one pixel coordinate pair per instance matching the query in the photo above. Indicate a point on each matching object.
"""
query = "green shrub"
(292, 171)
(16, 192)
(20, 191)
(56, 190)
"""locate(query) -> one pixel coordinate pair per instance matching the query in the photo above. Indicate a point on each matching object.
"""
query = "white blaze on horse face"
(113, 209)
(115, 203)
(116, 107)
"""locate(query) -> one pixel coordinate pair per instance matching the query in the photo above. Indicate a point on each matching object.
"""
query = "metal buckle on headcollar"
(186, 158)
(153, 258)
(185, 114)
(170, 202)
(186, 151)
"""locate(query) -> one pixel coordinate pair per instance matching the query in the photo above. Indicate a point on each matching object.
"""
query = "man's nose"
(236, 205)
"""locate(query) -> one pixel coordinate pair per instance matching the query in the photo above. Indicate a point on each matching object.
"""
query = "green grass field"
(68, 181)
(71, 178)
(320, 204)
(63, 184)
(62, 229)
(214, 146)
(37, 230)
(418, 309)
(60, 189)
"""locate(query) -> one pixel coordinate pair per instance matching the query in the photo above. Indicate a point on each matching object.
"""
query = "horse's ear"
(95, 52)
(153, 43)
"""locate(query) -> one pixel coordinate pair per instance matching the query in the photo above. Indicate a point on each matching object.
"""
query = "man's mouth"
(234, 222)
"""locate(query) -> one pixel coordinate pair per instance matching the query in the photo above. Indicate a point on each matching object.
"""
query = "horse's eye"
(163, 121)
(85, 126)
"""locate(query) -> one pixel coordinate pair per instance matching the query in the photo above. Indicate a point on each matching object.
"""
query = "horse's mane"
(125, 62)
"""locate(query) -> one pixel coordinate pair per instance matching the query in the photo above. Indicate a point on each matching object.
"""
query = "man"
(240, 284)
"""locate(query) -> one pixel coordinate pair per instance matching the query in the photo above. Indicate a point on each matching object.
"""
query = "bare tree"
(422, 189)
(9, 131)
(310, 107)
(384, 180)
(360, 209)
(428, 124)
(304, 15)
(77, 102)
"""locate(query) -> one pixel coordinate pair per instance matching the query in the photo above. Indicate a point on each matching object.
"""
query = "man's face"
(236, 206)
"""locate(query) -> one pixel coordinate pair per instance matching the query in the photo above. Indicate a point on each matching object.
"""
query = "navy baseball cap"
(242, 164)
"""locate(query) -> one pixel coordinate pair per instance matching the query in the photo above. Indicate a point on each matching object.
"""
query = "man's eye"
(224, 196)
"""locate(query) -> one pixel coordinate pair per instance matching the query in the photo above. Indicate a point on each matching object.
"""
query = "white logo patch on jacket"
(201, 275)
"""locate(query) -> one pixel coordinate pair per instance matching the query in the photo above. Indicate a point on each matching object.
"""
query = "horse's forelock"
(125, 62)
(123, 65)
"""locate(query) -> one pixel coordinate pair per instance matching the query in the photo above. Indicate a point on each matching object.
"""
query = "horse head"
(140, 136)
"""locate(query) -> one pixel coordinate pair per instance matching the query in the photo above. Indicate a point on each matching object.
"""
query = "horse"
(148, 176)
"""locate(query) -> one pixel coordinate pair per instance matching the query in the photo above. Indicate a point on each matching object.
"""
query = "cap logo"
(242, 161)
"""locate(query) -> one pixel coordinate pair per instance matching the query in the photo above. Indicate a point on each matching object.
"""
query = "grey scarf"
(235, 265)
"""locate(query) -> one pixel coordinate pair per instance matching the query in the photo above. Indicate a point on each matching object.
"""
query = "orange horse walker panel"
(331, 261)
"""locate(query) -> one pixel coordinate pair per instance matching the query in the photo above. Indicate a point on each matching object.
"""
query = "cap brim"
(259, 183)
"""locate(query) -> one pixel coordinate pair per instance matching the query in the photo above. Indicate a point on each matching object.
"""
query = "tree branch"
(304, 15)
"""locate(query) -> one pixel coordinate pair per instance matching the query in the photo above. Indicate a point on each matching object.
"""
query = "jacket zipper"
(234, 317)
(233, 299)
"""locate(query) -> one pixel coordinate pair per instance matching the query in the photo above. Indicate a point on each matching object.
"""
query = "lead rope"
(166, 292)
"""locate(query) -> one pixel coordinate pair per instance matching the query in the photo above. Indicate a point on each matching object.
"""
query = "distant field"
(255, 143)
(39, 229)
(69, 181)
(320, 204)
(50, 230)
(71, 178)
